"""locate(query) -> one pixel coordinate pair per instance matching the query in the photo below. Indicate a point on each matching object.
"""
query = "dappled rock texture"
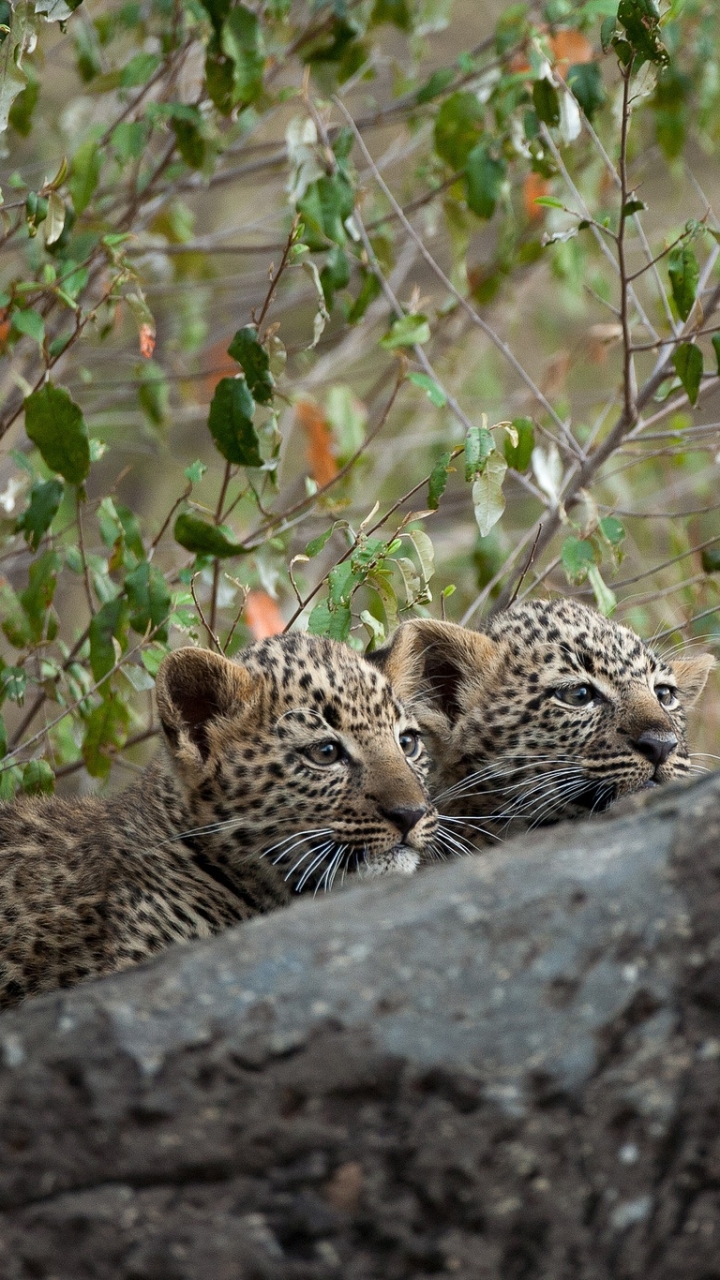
(507, 1067)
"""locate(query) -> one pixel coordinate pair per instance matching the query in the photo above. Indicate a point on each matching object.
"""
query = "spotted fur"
(509, 749)
(278, 772)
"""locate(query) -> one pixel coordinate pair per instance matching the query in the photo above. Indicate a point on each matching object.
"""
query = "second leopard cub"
(279, 770)
(552, 712)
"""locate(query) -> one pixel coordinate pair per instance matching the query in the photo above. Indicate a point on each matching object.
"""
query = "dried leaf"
(320, 444)
(262, 615)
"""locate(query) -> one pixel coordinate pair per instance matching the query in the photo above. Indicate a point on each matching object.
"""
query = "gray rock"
(506, 1067)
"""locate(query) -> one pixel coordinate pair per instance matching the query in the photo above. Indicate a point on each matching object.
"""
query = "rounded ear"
(194, 687)
(691, 675)
(437, 665)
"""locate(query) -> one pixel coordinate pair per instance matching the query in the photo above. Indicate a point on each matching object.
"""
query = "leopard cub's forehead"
(319, 674)
(578, 636)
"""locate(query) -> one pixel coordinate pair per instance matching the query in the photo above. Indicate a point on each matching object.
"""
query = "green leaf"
(107, 623)
(479, 444)
(577, 555)
(334, 275)
(408, 331)
(220, 79)
(231, 425)
(241, 40)
(605, 599)
(585, 81)
(38, 595)
(369, 291)
(85, 174)
(190, 141)
(10, 780)
(105, 732)
(641, 20)
(684, 274)
(711, 559)
(131, 529)
(487, 494)
(30, 323)
(149, 597)
(394, 11)
(195, 472)
(56, 425)
(129, 139)
(324, 208)
(716, 347)
(458, 126)
(484, 177)
(633, 206)
(341, 582)
(434, 393)
(21, 111)
(45, 499)
(15, 44)
(38, 778)
(546, 102)
(518, 456)
(139, 69)
(688, 361)
(13, 682)
(153, 392)
(549, 202)
(438, 480)
(254, 362)
(204, 539)
(612, 530)
(439, 81)
(324, 621)
(314, 547)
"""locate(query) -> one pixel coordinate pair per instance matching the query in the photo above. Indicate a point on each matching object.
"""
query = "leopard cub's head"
(298, 752)
(552, 712)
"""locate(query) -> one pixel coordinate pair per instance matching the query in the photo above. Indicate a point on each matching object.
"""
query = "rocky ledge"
(506, 1068)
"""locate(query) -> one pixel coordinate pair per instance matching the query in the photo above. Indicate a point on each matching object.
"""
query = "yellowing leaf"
(487, 494)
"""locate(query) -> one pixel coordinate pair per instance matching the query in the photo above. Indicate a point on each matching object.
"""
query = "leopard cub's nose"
(404, 818)
(655, 747)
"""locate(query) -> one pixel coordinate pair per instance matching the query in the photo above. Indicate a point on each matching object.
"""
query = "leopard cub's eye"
(576, 695)
(666, 695)
(410, 743)
(325, 752)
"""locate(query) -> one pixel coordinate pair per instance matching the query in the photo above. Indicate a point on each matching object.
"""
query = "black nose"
(404, 818)
(654, 747)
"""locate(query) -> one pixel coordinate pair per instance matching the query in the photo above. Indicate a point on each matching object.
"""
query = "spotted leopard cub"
(279, 772)
(551, 713)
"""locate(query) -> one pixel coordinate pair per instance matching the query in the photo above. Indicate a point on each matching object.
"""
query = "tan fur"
(506, 751)
(234, 815)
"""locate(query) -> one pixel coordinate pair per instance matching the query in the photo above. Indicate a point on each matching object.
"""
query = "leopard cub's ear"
(436, 666)
(691, 675)
(195, 687)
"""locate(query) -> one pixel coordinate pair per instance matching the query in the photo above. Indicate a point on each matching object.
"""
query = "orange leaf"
(570, 47)
(321, 460)
(147, 341)
(533, 187)
(218, 364)
(4, 325)
(262, 615)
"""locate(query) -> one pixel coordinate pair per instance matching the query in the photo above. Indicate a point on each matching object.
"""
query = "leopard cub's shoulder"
(280, 772)
(552, 712)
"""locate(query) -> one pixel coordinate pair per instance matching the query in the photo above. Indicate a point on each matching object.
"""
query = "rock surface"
(507, 1068)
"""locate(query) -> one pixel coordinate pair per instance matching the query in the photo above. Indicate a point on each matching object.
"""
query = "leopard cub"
(552, 712)
(279, 771)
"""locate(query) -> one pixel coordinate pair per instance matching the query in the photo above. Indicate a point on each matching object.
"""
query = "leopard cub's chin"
(399, 861)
